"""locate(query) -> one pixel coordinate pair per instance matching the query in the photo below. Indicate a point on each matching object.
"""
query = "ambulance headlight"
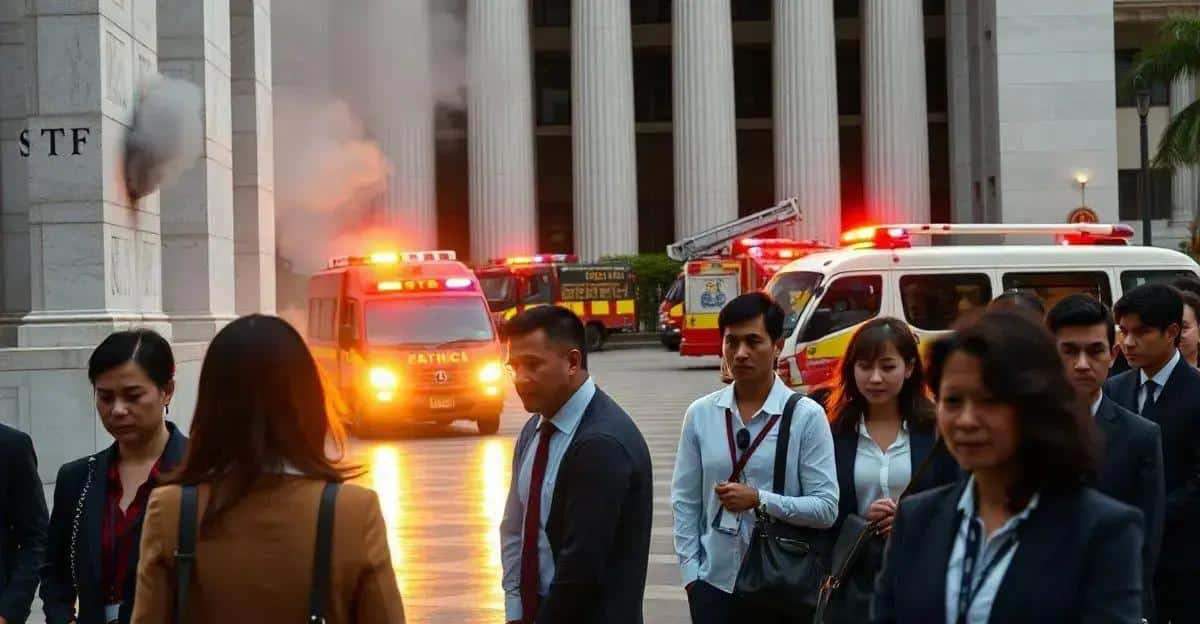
(383, 379)
(491, 373)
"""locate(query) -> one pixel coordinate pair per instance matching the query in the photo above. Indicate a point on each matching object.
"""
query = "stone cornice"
(1151, 11)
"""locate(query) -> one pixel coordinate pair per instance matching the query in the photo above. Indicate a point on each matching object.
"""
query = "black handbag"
(185, 553)
(785, 565)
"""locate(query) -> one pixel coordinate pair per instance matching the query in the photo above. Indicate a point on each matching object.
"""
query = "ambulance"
(406, 338)
(828, 295)
(602, 295)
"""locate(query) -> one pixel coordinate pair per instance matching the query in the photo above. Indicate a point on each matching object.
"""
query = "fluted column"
(705, 134)
(500, 129)
(895, 117)
(1185, 188)
(806, 116)
(605, 158)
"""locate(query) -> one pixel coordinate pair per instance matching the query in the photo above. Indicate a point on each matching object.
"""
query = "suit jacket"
(1078, 561)
(1177, 413)
(73, 568)
(255, 563)
(599, 521)
(1131, 471)
(22, 524)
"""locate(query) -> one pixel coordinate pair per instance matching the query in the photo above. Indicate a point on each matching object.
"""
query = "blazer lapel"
(845, 450)
(920, 443)
(90, 538)
(1034, 555)
(935, 554)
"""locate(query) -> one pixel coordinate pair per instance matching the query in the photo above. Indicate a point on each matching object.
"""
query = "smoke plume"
(166, 137)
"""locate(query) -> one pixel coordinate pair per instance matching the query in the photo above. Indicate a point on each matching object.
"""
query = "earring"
(168, 408)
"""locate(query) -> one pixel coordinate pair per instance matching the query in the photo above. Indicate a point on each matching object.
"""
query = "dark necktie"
(1148, 402)
(530, 576)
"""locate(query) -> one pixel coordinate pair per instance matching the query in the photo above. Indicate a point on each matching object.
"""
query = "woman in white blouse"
(883, 430)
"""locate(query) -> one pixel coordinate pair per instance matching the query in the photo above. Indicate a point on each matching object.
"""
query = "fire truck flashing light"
(538, 259)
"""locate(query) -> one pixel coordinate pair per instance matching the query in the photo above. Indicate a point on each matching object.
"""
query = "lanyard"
(968, 589)
(739, 464)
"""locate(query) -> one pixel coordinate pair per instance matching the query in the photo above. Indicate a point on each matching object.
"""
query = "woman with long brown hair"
(259, 471)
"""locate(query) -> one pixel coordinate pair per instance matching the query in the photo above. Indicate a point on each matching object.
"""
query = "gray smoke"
(166, 137)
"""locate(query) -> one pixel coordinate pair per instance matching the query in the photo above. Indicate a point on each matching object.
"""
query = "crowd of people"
(1013, 476)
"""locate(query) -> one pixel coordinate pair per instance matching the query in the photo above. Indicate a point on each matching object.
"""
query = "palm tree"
(1175, 55)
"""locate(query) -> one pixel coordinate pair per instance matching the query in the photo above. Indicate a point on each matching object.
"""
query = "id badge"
(112, 613)
(727, 522)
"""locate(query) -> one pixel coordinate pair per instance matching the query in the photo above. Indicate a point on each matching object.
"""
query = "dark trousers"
(710, 605)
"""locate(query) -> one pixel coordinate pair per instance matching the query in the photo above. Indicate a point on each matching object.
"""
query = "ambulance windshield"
(427, 321)
(793, 290)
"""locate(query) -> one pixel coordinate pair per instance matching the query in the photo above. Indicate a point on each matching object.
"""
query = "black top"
(1078, 560)
(22, 524)
(73, 561)
(599, 521)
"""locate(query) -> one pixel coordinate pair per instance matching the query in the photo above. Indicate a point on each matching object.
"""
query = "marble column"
(806, 117)
(895, 117)
(705, 130)
(502, 195)
(93, 255)
(1185, 187)
(602, 124)
(197, 220)
(253, 157)
(16, 31)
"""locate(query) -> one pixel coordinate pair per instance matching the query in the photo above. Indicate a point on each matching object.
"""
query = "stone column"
(93, 255)
(895, 116)
(1185, 187)
(605, 156)
(253, 157)
(503, 201)
(16, 74)
(958, 79)
(198, 244)
(705, 131)
(806, 117)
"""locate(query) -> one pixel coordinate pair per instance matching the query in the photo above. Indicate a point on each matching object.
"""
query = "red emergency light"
(779, 248)
(1119, 235)
(424, 284)
(872, 237)
(538, 259)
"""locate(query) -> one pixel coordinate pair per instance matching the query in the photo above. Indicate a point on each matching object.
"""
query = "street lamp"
(1142, 98)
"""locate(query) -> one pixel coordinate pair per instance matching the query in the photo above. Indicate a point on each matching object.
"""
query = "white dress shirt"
(810, 495)
(879, 473)
(1160, 378)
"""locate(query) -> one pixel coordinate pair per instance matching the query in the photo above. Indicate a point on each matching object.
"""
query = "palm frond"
(1175, 54)
(1180, 142)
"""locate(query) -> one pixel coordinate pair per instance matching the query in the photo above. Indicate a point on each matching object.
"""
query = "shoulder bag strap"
(938, 445)
(319, 596)
(185, 551)
(781, 445)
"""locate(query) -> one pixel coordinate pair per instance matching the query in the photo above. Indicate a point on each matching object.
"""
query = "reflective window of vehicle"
(498, 290)
(675, 292)
(792, 291)
(1133, 279)
(426, 321)
(847, 302)
(934, 302)
(537, 288)
(1051, 287)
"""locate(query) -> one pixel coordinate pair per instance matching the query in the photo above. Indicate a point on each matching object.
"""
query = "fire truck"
(670, 315)
(601, 294)
(725, 261)
(406, 338)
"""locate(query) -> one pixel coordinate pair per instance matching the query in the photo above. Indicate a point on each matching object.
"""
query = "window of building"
(936, 86)
(935, 302)
(652, 84)
(552, 13)
(752, 81)
(751, 10)
(1127, 194)
(845, 8)
(552, 78)
(848, 301)
(651, 11)
(1051, 287)
(1160, 92)
(1133, 279)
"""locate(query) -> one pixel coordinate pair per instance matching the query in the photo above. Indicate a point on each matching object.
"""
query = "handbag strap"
(938, 445)
(185, 551)
(781, 444)
(319, 596)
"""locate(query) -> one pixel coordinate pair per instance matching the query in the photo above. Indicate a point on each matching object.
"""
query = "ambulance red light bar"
(900, 235)
(877, 237)
(424, 284)
(538, 259)
(392, 257)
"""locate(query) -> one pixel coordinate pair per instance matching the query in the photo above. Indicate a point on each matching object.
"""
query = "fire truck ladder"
(713, 239)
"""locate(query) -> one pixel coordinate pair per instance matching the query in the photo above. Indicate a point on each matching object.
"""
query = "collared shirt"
(566, 421)
(1160, 378)
(879, 473)
(116, 531)
(703, 461)
(981, 607)
(1096, 404)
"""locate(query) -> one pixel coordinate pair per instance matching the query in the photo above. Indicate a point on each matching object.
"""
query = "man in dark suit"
(576, 530)
(1161, 387)
(1131, 465)
(22, 525)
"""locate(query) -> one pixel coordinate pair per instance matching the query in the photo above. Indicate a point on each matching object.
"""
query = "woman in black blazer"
(1022, 540)
(883, 433)
(100, 500)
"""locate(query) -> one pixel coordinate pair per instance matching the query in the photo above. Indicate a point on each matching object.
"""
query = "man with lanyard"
(724, 469)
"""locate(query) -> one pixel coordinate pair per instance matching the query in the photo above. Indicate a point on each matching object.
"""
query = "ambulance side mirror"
(347, 338)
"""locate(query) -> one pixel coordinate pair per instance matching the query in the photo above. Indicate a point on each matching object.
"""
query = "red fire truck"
(725, 261)
(601, 294)
(406, 337)
(670, 315)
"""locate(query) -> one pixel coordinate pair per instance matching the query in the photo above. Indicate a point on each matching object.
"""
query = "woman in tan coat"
(257, 457)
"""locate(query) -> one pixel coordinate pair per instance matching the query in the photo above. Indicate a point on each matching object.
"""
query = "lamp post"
(1142, 98)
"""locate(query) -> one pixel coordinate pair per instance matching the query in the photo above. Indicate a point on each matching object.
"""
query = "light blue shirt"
(566, 421)
(703, 461)
(981, 607)
(1160, 378)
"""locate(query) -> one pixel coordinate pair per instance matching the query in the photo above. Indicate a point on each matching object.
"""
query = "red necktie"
(530, 576)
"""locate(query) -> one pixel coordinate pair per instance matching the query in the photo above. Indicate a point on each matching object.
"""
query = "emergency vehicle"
(406, 338)
(827, 295)
(725, 261)
(670, 315)
(602, 295)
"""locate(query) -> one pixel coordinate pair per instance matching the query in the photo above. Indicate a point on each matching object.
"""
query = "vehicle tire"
(489, 425)
(593, 337)
(672, 345)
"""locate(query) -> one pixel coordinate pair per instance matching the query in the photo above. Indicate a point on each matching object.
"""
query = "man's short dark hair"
(1080, 310)
(1188, 284)
(560, 324)
(1157, 305)
(750, 306)
(1019, 300)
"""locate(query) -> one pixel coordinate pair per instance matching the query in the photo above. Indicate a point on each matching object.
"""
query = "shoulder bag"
(185, 553)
